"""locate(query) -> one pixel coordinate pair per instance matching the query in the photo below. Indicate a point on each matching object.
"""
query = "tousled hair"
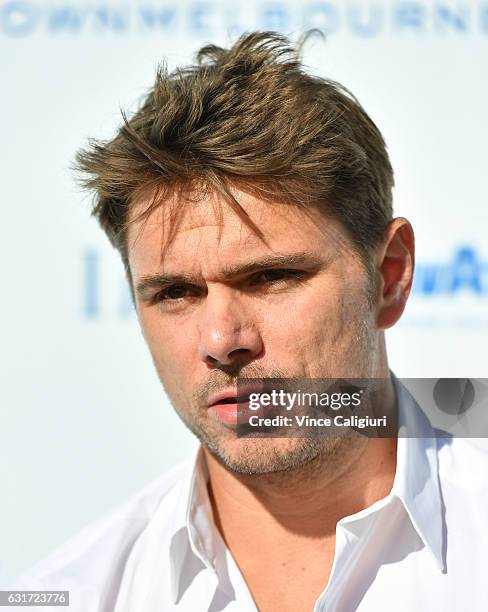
(249, 117)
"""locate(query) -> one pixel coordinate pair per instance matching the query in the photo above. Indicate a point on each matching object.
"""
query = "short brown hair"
(246, 116)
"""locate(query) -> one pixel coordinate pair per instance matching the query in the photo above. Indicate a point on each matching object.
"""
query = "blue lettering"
(321, 15)
(199, 17)
(163, 18)
(18, 18)
(366, 27)
(484, 17)
(66, 18)
(425, 279)
(444, 15)
(466, 271)
(275, 17)
(91, 307)
(409, 15)
(110, 19)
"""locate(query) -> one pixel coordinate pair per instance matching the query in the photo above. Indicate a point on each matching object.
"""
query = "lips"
(231, 395)
(232, 408)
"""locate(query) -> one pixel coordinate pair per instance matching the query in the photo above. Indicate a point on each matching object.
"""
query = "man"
(251, 205)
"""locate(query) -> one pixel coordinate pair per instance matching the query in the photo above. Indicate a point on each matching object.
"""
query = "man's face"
(219, 302)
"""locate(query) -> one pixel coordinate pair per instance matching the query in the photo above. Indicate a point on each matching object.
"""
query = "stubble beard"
(304, 456)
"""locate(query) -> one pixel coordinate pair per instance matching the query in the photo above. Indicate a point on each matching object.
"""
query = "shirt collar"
(192, 546)
(196, 543)
(416, 481)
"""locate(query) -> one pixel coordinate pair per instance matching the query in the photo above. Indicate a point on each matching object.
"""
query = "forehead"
(210, 233)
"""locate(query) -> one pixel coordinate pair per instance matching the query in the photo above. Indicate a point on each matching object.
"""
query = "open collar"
(416, 481)
(196, 545)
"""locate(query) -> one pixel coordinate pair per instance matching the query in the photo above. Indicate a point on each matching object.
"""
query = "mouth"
(231, 408)
(231, 399)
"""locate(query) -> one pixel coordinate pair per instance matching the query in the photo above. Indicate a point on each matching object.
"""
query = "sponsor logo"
(465, 272)
(23, 18)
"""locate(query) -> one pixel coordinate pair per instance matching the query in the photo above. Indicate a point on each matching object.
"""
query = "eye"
(275, 275)
(172, 293)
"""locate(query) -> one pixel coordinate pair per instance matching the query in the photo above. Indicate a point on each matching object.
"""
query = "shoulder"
(91, 563)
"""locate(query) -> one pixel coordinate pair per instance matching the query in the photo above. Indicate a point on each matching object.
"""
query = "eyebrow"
(304, 258)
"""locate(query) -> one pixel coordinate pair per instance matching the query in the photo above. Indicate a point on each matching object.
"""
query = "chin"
(264, 455)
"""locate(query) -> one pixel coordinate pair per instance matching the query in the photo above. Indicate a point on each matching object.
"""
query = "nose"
(228, 335)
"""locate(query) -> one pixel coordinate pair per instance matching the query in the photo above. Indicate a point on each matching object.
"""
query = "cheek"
(300, 326)
(314, 323)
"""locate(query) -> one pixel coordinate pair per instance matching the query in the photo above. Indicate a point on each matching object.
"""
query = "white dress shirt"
(421, 548)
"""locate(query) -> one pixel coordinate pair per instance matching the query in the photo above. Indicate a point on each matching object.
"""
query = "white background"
(84, 422)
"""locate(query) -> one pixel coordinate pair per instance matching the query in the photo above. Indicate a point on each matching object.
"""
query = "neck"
(308, 500)
(301, 504)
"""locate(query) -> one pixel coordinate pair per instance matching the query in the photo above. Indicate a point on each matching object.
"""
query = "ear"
(395, 264)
